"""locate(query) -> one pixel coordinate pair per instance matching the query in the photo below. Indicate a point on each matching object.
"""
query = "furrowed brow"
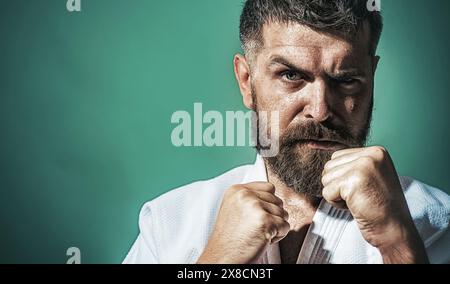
(344, 74)
(283, 61)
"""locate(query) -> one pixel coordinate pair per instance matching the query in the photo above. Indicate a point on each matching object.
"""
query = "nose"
(317, 101)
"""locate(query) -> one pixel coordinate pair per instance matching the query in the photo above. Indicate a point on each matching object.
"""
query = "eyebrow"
(342, 74)
(278, 60)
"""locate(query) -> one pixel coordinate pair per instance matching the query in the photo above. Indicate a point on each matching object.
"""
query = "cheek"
(355, 106)
(356, 111)
(288, 107)
(270, 95)
(269, 98)
(350, 105)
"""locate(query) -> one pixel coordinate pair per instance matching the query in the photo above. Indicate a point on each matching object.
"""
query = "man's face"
(322, 86)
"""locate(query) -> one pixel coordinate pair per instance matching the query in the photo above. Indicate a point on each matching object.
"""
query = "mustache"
(320, 132)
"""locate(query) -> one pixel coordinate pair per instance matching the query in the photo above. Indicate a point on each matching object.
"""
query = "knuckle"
(366, 161)
(346, 192)
(270, 186)
(255, 203)
(379, 152)
(234, 188)
(326, 193)
(238, 193)
(242, 193)
(356, 180)
(335, 154)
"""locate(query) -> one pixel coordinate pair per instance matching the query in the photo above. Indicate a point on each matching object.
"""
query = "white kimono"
(175, 227)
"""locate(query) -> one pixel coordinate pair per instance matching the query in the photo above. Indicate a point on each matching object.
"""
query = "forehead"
(302, 43)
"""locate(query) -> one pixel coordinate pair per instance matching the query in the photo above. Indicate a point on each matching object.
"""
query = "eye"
(349, 85)
(291, 76)
(348, 81)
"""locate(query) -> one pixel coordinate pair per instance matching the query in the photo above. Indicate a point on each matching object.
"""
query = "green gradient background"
(86, 100)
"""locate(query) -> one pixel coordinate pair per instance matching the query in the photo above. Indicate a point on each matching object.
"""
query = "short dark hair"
(342, 17)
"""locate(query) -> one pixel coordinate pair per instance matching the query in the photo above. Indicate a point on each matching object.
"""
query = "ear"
(242, 72)
(375, 61)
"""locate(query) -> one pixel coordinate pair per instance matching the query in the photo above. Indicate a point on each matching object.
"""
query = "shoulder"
(430, 210)
(428, 205)
(199, 194)
(179, 222)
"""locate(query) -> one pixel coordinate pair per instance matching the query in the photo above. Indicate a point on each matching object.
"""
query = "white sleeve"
(430, 210)
(144, 249)
(439, 249)
(434, 223)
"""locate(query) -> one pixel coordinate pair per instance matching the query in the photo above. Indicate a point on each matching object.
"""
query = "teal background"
(86, 100)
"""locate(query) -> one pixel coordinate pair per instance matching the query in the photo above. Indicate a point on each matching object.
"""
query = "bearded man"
(325, 197)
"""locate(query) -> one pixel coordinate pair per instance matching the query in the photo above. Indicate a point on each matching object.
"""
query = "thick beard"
(299, 167)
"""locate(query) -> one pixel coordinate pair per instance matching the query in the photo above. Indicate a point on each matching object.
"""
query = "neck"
(300, 207)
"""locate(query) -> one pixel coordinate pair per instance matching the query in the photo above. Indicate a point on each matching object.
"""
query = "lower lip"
(324, 146)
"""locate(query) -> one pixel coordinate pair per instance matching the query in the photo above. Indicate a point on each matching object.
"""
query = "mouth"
(323, 145)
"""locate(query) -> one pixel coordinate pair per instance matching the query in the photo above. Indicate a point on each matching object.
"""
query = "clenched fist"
(365, 181)
(250, 218)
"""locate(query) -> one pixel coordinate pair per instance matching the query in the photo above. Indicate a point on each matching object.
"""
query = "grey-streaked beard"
(300, 167)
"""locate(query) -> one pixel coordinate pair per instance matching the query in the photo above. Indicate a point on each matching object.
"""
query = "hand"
(250, 218)
(365, 181)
